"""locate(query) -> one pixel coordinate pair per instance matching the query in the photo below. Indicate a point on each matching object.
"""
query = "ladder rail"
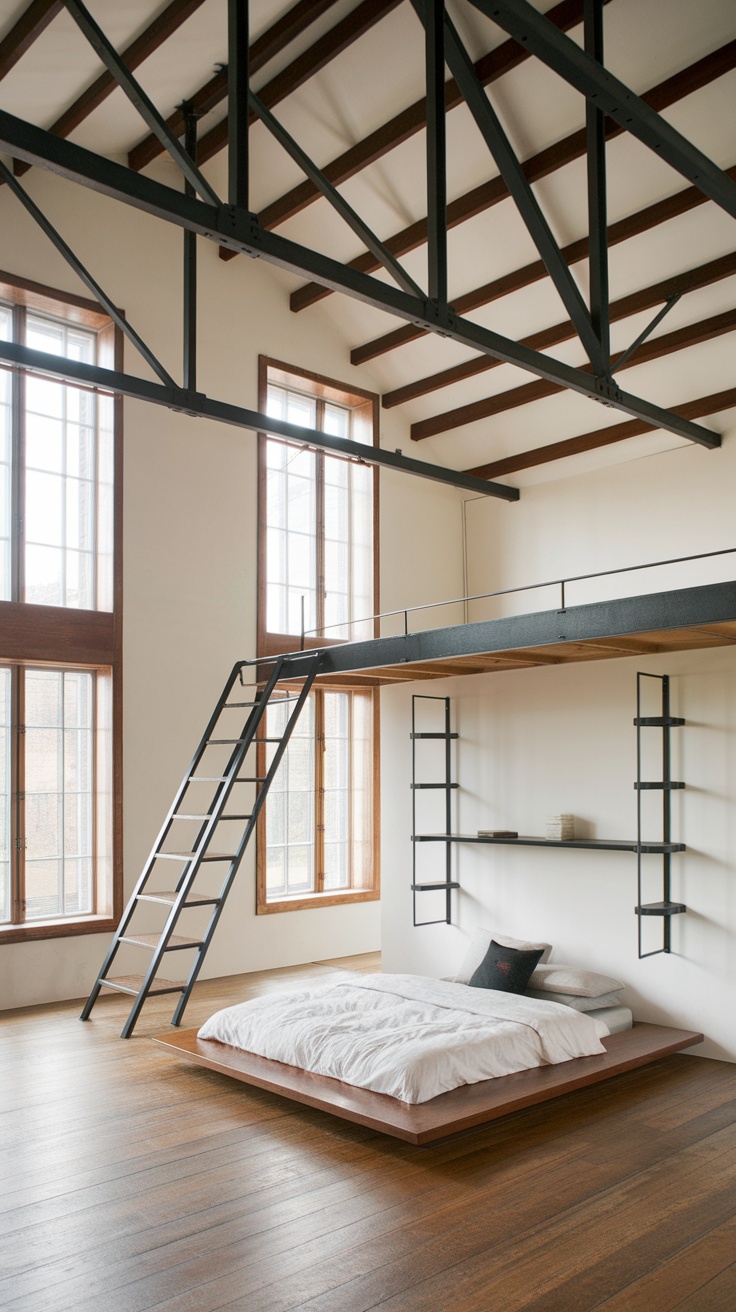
(260, 799)
(192, 867)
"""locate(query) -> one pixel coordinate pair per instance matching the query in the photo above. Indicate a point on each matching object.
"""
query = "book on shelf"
(498, 833)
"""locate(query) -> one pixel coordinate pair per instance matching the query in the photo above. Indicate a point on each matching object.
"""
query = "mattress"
(616, 1019)
(407, 1036)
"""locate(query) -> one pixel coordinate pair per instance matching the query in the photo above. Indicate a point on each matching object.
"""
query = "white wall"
(189, 550)
(554, 739)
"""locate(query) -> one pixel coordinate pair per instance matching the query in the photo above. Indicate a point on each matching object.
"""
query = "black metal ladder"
(184, 896)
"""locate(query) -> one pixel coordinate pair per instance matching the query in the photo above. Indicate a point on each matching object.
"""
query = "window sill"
(57, 929)
(313, 900)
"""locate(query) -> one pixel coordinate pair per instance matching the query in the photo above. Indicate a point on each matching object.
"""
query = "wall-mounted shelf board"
(592, 844)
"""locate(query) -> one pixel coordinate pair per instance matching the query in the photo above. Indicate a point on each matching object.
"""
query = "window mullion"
(320, 523)
(319, 792)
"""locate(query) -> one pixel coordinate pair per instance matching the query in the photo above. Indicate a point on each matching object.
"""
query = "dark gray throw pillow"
(506, 969)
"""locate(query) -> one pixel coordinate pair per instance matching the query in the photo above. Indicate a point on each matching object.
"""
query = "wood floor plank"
(130, 1181)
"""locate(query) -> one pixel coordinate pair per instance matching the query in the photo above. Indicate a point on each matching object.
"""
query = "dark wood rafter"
(570, 148)
(655, 348)
(32, 22)
(406, 124)
(643, 221)
(213, 92)
(342, 35)
(713, 404)
(135, 54)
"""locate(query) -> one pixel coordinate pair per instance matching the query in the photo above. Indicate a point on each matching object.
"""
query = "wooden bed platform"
(461, 1109)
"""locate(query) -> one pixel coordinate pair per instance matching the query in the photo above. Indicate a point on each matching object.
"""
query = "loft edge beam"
(612, 97)
(197, 405)
(239, 230)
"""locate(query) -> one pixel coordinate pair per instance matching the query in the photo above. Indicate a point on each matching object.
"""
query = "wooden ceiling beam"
(342, 35)
(144, 45)
(658, 293)
(653, 349)
(269, 44)
(33, 21)
(632, 226)
(573, 446)
(547, 161)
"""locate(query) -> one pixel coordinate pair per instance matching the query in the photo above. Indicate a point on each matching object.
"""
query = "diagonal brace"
(76, 264)
(611, 96)
(137, 96)
(461, 67)
(345, 210)
(624, 358)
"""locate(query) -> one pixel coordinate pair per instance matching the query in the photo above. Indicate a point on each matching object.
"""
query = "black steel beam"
(595, 134)
(190, 271)
(197, 405)
(238, 113)
(240, 231)
(432, 15)
(491, 129)
(85, 276)
(536, 34)
(138, 97)
(686, 607)
(338, 202)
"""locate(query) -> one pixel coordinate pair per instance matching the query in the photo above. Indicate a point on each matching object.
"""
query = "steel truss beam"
(200, 406)
(239, 230)
(611, 96)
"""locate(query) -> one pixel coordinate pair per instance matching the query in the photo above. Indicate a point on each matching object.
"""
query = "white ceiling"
(646, 41)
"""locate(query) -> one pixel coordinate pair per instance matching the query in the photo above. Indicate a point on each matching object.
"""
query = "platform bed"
(461, 1109)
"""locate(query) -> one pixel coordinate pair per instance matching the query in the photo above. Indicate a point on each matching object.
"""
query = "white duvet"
(407, 1036)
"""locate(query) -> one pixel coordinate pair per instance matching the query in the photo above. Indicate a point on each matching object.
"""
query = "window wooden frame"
(366, 407)
(64, 637)
(322, 897)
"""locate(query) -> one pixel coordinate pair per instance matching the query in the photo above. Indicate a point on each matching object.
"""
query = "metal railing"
(561, 583)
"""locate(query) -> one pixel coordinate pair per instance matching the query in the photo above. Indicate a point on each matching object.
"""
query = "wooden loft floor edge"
(682, 619)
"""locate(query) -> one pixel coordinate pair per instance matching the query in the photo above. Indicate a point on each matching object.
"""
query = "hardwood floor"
(131, 1181)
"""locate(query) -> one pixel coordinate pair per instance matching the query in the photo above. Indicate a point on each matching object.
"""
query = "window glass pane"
(337, 790)
(5, 793)
(291, 550)
(290, 806)
(61, 497)
(59, 788)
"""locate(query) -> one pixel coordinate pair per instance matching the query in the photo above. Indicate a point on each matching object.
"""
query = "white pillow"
(479, 945)
(572, 979)
(578, 1004)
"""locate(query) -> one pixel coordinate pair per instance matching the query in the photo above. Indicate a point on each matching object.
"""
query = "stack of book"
(561, 828)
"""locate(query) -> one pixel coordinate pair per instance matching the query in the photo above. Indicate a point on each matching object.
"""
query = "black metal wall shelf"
(591, 844)
(665, 909)
(447, 786)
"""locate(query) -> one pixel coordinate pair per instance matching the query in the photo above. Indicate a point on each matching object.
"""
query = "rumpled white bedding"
(407, 1036)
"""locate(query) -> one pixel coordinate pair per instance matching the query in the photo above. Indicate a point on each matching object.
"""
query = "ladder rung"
(153, 940)
(268, 740)
(251, 779)
(134, 983)
(236, 817)
(231, 706)
(169, 897)
(225, 742)
(207, 778)
(180, 815)
(189, 856)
